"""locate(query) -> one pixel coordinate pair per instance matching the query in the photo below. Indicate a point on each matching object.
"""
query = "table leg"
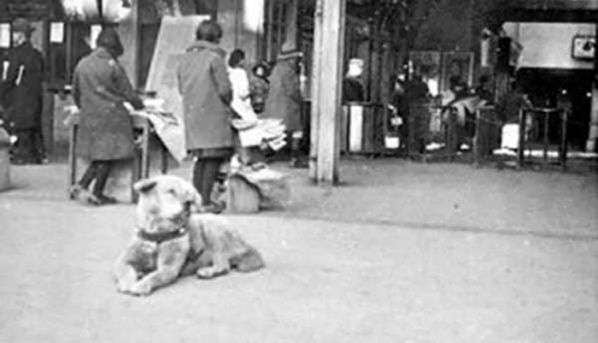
(563, 150)
(164, 168)
(145, 151)
(521, 145)
(72, 177)
(546, 142)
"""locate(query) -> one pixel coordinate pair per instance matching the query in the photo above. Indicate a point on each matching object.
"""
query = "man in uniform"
(21, 95)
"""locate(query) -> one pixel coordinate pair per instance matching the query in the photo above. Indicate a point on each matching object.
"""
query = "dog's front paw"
(205, 273)
(140, 289)
(122, 287)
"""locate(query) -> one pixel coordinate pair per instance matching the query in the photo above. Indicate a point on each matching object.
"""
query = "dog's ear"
(191, 197)
(145, 185)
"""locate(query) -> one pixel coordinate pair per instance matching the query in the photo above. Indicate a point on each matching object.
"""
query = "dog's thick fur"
(206, 245)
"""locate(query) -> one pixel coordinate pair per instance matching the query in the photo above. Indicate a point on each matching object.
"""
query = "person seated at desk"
(100, 88)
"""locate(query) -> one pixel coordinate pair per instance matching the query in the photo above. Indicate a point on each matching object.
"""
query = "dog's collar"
(160, 237)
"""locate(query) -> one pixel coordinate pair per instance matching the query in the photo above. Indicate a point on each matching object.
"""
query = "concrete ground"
(402, 252)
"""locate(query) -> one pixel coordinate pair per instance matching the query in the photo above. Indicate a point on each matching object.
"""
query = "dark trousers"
(29, 147)
(205, 173)
(98, 171)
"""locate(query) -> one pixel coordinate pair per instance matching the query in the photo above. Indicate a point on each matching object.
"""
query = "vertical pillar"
(328, 54)
(129, 33)
(315, 90)
(593, 134)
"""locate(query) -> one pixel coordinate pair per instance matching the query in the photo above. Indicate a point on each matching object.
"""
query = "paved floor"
(402, 253)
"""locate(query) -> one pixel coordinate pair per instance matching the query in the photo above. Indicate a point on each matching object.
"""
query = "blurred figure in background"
(483, 89)
(21, 95)
(105, 135)
(284, 101)
(241, 105)
(241, 101)
(259, 86)
(353, 89)
(207, 94)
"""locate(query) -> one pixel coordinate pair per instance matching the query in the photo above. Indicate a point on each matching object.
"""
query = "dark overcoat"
(100, 88)
(206, 90)
(284, 100)
(21, 87)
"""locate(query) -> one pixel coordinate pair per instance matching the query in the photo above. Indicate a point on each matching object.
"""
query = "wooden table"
(141, 166)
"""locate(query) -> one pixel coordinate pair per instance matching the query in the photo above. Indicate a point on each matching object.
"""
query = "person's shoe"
(107, 199)
(214, 207)
(94, 200)
(99, 200)
(300, 164)
(74, 191)
(18, 161)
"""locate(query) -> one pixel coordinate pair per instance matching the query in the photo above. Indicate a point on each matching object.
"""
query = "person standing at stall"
(100, 88)
(284, 101)
(259, 86)
(21, 95)
(207, 93)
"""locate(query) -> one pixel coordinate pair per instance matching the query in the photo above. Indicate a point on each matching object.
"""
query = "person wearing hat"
(105, 135)
(284, 100)
(21, 95)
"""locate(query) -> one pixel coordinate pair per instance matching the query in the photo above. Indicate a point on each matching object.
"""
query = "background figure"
(418, 120)
(353, 89)
(207, 93)
(21, 95)
(241, 103)
(100, 87)
(284, 101)
(259, 86)
(400, 107)
(483, 89)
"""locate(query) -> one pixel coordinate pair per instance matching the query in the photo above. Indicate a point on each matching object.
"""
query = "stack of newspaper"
(263, 131)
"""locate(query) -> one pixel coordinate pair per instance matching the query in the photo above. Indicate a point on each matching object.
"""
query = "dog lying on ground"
(174, 237)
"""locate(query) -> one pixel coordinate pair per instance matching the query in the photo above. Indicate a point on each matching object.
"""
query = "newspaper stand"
(543, 114)
(141, 166)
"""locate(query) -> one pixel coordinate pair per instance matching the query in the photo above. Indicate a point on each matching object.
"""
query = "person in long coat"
(207, 93)
(21, 94)
(284, 100)
(105, 135)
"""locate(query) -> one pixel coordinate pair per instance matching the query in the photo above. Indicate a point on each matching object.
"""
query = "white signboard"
(550, 45)
(56, 32)
(4, 35)
(175, 36)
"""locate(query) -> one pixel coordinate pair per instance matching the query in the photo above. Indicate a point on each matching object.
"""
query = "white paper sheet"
(56, 32)
(4, 35)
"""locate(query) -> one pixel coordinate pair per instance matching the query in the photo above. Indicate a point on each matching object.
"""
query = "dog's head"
(165, 202)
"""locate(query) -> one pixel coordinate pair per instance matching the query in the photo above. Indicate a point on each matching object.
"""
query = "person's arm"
(76, 88)
(220, 78)
(124, 87)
